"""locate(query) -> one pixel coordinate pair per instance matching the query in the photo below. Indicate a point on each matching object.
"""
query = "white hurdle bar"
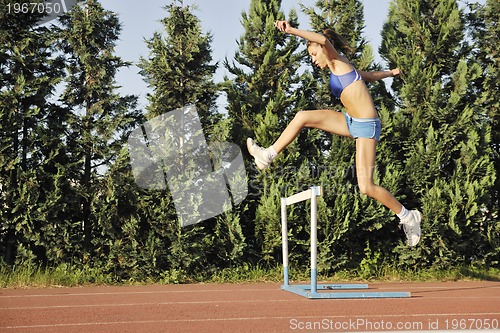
(311, 291)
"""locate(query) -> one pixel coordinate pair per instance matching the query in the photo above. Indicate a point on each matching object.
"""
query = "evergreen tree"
(448, 167)
(180, 71)
(100, 118)
(179, 66)
(266, 73)
(30, 139)
(261, 102)
(484, 31)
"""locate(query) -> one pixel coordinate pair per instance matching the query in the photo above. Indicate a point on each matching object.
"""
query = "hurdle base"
(305, 291)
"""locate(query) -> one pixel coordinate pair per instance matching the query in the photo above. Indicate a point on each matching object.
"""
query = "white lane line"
(142, 304)
(208, 302)
(176, 321)
(140, 293)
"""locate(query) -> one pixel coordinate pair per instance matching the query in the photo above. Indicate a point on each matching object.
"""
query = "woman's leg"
(365, 165)
(326, 120)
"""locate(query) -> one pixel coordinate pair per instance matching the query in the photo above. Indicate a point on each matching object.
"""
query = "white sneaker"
(411, 227)
(261, 155)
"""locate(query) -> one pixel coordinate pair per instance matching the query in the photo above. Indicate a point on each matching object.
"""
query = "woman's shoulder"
(341, 66)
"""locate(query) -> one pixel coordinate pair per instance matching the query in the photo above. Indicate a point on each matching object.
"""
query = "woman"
(360, 122)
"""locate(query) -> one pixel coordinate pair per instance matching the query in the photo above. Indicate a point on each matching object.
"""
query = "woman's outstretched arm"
(379, 75)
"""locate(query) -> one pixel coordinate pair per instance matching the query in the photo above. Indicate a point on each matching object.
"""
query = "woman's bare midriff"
(357, 100)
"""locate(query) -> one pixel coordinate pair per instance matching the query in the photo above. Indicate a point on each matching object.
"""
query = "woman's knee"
(367, 188)
(310, 118)
(301, 118)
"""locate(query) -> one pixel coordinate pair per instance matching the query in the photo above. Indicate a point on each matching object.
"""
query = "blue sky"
(140, 19)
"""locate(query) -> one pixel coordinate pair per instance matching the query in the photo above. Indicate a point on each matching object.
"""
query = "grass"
(65, 275)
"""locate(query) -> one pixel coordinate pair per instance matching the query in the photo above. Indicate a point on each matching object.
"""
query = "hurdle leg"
(284, 238)
(314, 242)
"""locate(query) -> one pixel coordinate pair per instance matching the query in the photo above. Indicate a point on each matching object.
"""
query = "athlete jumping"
(360, 121)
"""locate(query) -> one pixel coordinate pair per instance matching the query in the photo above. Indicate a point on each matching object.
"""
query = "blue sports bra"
(339, 82)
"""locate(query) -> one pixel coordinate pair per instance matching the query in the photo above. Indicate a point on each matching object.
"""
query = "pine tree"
(261, 102)
(484, 31)
(448, 168)
(180, 71)
(181, 58)
(100, 118)
(29, 138)
(264, 79)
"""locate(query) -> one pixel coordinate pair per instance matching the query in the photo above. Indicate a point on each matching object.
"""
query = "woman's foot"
(411, 227)
(261, 155)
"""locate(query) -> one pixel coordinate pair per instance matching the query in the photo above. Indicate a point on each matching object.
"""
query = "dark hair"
(337, 41)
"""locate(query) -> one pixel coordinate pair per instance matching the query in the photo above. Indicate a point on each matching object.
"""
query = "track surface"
(256, 308)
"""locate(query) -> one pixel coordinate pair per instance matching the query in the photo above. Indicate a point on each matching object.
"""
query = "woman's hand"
(283, 26)
(396, 72)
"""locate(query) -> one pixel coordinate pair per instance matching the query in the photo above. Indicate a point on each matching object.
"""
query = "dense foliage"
(68, 195)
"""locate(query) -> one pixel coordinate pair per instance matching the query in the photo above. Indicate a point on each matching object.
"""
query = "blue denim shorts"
(363, 127)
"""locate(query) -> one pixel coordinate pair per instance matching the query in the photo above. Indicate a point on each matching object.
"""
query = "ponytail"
(338, 41)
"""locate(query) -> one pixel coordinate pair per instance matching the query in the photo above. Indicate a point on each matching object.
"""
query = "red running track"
(252, 307)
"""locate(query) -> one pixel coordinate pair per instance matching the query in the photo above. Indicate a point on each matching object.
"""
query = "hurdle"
(315, 290)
